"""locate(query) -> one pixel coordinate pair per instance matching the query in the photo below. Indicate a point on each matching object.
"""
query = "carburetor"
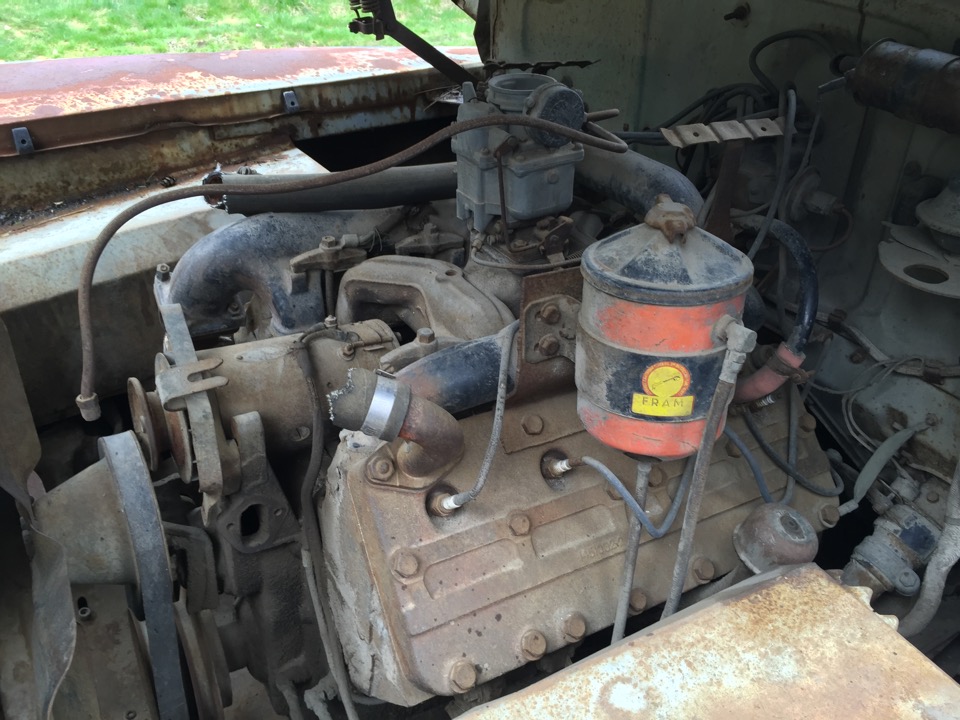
(517, 172)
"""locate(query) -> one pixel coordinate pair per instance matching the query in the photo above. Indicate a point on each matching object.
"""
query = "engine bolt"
(574, 627)
(704, 569)
(808, 423)
(380, 469)
(657, 477)
(328, 241)
(533, 645)
(933, 496)
(550, 314)
(426, 335)
(330, 321)
(549, 345)
(163, 272)
(463, 676)
(908, 581)
(638, 601)
(520, 525)
(532, 424)
(828, 515)
(405, 564)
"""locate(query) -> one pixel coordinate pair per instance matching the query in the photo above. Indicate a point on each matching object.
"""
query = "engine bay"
(409, 435)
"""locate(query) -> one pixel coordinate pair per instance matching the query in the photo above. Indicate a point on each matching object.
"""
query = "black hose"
(786, 35)
(752, 462)
(631, 501)
(407, 185)
(808, 290)
(460, 377)
(635, 181)
(786, 467)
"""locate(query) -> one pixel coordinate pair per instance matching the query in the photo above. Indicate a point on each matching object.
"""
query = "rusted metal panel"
(788, 644)
(111, 97)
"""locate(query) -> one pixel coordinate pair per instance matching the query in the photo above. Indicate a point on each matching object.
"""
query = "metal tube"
(644, 466)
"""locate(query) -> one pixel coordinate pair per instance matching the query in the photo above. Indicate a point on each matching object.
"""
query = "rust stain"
(795, 645)
(51, 88)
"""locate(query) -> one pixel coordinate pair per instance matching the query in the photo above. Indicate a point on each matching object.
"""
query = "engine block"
(429, 606)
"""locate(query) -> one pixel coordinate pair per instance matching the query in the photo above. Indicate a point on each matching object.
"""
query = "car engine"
(419, 432)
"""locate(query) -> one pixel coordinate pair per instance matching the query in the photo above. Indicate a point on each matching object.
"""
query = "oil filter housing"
(648, 354)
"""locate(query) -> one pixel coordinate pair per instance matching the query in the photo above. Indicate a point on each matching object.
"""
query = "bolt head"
(532, 424)
(380, 469)
(463, 676)
(657, 476)
(829, 515)
(533, 645)
(574, 627)
(520, 525)
(549, 345)
(426, 335)
(908, 580)
(550, 314)
(704, 569)
(405, 564)
(933, 496)
(328, 241)
(638, 601)
(163, 272)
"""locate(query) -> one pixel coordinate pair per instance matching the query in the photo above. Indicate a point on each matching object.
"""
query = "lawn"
(35, 29)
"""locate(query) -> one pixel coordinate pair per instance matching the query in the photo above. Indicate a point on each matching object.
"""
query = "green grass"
(37, 29)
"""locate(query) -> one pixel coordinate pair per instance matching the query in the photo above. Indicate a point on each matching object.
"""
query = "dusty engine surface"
(419, 435)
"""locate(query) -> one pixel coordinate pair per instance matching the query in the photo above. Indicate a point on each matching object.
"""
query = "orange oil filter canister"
(648, 357)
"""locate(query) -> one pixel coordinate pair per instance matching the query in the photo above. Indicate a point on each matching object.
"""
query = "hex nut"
(380, 469)
(520, 525)
(638, 601)
(704, 569)
(463, 676)
(829, 515)
(533, 645)
(532, 424)
(549, 345)
(550, 314)
(405, 564)
(657, 476)
(574, 627)
(426, 335)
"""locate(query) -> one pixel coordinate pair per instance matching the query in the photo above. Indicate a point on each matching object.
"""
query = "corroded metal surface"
(408, 589)
(151, 90)
(788, 645)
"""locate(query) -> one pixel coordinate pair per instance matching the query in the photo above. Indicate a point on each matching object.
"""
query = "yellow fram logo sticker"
(664, 391)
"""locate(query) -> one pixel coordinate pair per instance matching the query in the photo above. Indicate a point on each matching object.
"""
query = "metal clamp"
(176, 384)
(291, 103)
(387, 409)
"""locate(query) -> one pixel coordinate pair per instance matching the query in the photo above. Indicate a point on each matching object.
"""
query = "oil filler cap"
(667, 261)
